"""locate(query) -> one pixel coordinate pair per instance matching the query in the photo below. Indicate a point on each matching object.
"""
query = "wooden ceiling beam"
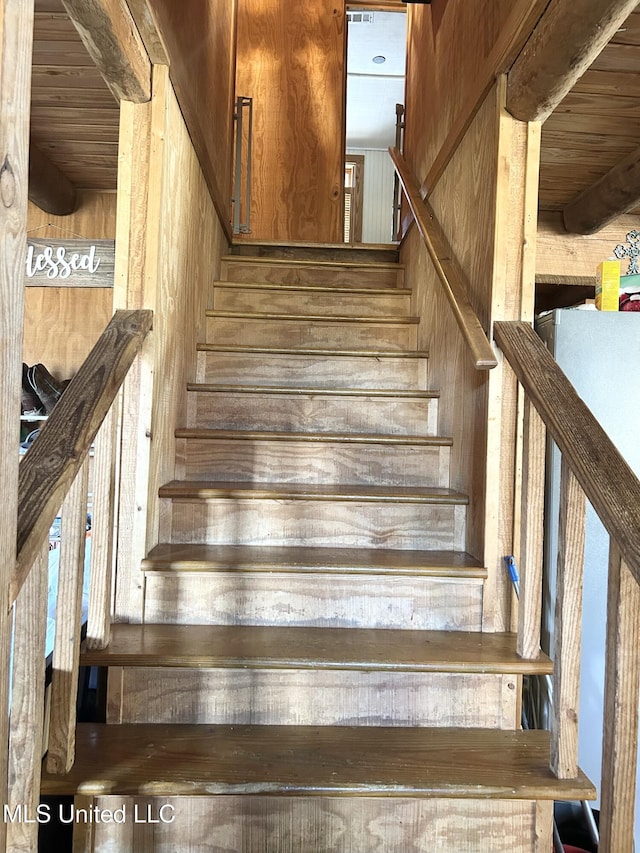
(111, 37)
(147, 23)
(568, 38)
(49, 188)
(609, 197)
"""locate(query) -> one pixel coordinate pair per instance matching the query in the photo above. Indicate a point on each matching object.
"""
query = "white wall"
(378, 195)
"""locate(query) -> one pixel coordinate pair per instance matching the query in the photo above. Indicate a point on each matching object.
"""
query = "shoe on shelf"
(31, 404)
(46, 386)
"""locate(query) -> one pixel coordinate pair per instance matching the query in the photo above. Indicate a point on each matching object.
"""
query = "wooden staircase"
(311, 674)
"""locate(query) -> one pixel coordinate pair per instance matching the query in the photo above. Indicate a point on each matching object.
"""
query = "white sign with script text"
(70, 263)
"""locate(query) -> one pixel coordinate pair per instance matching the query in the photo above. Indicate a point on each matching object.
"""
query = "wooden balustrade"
(592, 469)
(449, 272)
(51, 465)
(55, 472)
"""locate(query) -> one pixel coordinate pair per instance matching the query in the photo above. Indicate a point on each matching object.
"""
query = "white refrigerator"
(600, 354)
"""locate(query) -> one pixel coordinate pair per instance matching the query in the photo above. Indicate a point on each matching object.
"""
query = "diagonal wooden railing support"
(448, 270)
(594, 470)
(51, 465)
(607, 480)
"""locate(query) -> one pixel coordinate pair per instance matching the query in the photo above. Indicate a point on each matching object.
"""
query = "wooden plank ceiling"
(74, 116)
(596, 125)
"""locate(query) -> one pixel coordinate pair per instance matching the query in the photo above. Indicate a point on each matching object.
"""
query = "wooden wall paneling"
(299, 121)
(62, 324)
(168, 251)
(188, 262)
(204, 81)
(16, 34)
(485, 201)
(480, 41)
(575, 257)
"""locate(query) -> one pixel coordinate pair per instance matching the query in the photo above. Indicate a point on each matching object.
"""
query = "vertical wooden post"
(27, 705)
(103, 510)
(133, 289)
(66, 651)
(568, 626)
(533, 461)
(16, 42)
(621, 691)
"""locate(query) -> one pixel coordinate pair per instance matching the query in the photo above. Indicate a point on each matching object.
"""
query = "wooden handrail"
(608, 482)
(449, 273)
(50, 466)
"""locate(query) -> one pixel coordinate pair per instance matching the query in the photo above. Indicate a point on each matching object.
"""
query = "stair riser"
(319, 599)
(318, 523)
(312, 462)
(366, 276)
(313, 697)
(310, 334)
(309, 302)
(305, 412)
(313, 371)
(270, 824)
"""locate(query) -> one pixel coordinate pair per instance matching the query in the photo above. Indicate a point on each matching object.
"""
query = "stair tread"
(199, 557)
(316, 318)
(313, 262)
(213, 388)
(180, 759)
(357, 353)
(313, 648)
(316, 288)
(205, 489)
(345, 437)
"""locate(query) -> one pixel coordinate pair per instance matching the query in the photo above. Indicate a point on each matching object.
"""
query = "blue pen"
(513, 574)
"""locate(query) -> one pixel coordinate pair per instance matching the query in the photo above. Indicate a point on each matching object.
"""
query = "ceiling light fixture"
(379, 59)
